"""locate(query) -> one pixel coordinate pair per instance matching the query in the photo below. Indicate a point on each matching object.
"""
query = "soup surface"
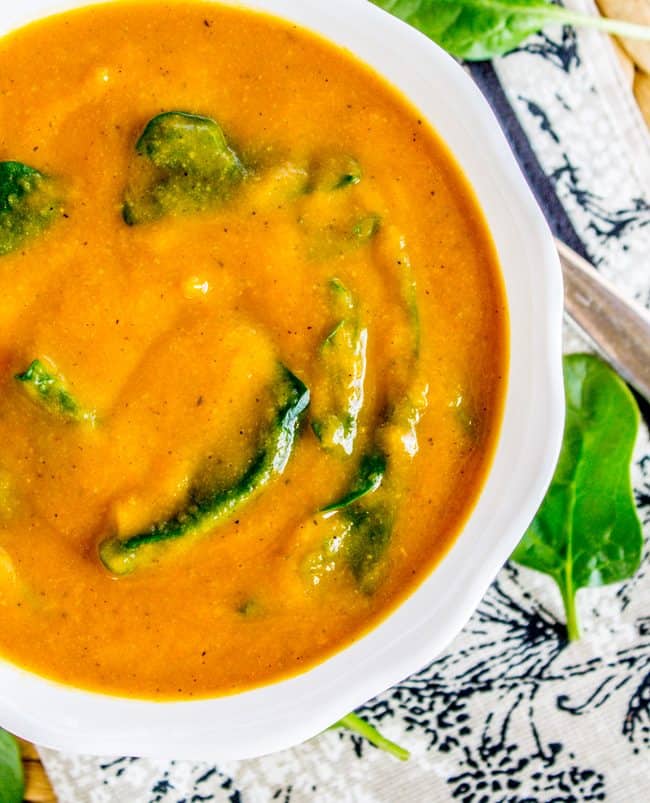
(253, 339)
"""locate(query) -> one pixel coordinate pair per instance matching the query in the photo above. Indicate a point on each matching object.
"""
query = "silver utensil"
(618, 328)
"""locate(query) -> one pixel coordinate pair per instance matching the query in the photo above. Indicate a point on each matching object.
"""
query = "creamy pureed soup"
(253, 341)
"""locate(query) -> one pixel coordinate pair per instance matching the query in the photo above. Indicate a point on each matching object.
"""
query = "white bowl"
(283, 714)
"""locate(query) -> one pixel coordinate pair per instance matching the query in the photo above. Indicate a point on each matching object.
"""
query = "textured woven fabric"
(510, 712)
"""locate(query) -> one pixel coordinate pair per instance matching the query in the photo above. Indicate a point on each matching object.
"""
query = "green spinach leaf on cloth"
(11, 770)
(587, 531)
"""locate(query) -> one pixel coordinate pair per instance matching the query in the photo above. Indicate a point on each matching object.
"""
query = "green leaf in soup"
(367, 542)
(334, 172)
(188, 142)
(207, 508)
(187, 167)
(587, 531)
(339, 393)
(343, 237)
(365, 228)
(12, 783)
(28, 204)
(357, 538)
(50, 391)
(482, 29)
(369, 477)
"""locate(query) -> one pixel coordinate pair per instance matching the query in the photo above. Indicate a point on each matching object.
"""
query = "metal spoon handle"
(619, 329)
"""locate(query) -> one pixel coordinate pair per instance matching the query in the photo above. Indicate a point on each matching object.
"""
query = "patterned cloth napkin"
(510, 712)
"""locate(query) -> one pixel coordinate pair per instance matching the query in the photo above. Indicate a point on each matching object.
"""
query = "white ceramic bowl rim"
(286, 713)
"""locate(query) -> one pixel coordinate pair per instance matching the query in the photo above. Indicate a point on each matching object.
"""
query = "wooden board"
(37, 786)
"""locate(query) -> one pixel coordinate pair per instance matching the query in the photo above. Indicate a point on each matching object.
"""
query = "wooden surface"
(37, 786)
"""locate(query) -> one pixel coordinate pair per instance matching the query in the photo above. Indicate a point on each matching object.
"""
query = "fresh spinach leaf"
(482, 29)
(587, 531)
(28, 204)
(355, 723)
(12, 783)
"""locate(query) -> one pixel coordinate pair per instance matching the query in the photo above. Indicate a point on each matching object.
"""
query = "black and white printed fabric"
(511, 713)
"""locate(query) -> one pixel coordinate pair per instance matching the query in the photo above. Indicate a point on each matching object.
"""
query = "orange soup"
(253, 338)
